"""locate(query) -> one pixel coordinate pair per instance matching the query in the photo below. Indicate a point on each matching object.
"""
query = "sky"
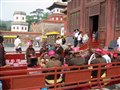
(8, 7)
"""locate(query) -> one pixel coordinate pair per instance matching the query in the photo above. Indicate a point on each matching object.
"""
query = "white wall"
(18, 28)
(20, 18)
(56, 10)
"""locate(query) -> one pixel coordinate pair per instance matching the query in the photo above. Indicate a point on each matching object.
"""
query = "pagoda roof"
(64, 11)
(64, 0)
(58, 5)
(19, 12)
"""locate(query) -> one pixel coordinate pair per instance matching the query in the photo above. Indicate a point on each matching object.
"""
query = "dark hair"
(1, 39)
(17, 36)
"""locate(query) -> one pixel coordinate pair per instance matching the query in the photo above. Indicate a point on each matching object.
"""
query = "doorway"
(94, 27)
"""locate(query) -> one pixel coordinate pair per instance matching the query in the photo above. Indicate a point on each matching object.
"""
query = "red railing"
(74, 77)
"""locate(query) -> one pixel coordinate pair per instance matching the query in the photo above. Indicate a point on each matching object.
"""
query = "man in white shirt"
(17, 44)
(118, 44)
(59, 41)
(76, 32)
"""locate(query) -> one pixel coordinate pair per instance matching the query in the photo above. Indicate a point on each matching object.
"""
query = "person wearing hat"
(2, 52)
(76, 60)
(60, 51)
(69, 47)
(31, 56)
(53, 62)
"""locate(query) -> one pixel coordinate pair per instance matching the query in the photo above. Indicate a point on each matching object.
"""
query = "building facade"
(9, 37)
(54, 23)
(19, 22)
(102, 16)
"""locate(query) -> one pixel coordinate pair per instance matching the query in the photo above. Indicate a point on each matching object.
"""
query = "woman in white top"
(118, 44)
(79, 38)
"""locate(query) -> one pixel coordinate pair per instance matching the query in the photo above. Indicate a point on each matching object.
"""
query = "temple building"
(19, 27)
(89, 16)
(54, 25)
(19, 24)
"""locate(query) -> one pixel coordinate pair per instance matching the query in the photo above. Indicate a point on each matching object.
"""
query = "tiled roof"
(19, 12)
(57, 4)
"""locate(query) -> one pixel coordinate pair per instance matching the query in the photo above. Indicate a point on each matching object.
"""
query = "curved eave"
(64, 0)
(20, 23)
(57, 4)
(64, 11)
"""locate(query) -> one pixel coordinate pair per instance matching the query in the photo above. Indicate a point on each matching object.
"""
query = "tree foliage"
(45, 15)
(37, 14)
(5, 25)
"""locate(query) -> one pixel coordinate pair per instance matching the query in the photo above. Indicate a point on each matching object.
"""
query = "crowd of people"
(57, 56)
(79, 37)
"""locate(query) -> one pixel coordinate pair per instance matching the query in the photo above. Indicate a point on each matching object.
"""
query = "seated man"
(31, 56)
(53, 62)
(76, 60)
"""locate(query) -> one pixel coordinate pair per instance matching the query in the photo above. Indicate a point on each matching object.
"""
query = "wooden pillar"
(113, 18)
(82, 12)
(108, 22)
(68, 19)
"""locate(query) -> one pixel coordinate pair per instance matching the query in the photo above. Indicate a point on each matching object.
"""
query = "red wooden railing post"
(99, 75)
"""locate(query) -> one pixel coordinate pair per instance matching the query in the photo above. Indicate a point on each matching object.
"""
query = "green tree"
(30, 20)
(45, 15)
(3, 26)
(38, 13)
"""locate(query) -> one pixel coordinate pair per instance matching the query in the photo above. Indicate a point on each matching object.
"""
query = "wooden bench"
(15, 56)
(11, 71)
(72, 78)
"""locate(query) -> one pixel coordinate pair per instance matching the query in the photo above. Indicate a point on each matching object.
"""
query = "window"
(56, 18)
(25, 28)
(17, 27)
(22, 18)
(52, 18)
(22, 28)
(13, 27)
(61, 19)
(16, 17)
